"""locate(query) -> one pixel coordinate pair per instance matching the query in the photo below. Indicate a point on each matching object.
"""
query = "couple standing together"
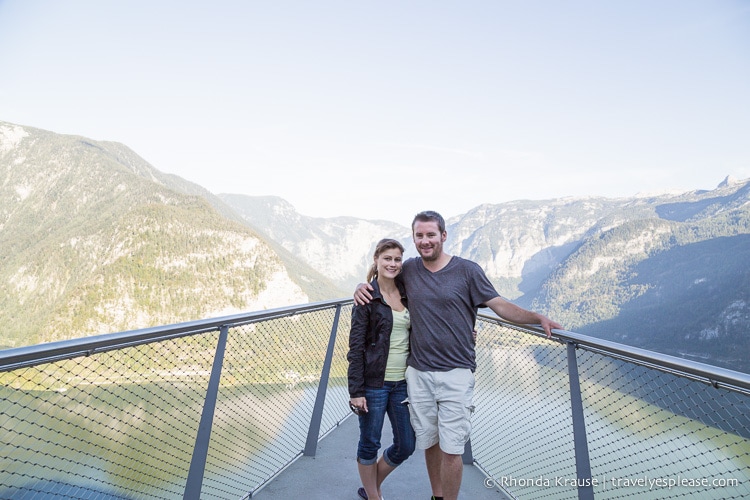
(411, 356)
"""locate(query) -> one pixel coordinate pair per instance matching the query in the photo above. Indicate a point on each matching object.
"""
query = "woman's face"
(389, 263)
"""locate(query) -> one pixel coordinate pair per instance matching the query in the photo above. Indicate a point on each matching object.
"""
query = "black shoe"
(362, 493)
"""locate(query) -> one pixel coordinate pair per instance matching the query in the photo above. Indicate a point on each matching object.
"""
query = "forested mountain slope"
(93, 240)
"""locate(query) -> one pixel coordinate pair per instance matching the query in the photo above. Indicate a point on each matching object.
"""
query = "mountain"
(94, 240)
(694, 302)
(610, 268)
(341, 248)
(675, 282)
(520, 243)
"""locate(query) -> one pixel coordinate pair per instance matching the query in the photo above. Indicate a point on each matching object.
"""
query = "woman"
(378, 347)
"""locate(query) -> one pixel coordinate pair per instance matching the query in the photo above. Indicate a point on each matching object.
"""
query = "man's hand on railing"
(511, 312)
(548, 325)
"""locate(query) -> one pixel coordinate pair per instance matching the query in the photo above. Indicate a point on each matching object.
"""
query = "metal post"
(583, 464)
(311, 444)
(200, 450)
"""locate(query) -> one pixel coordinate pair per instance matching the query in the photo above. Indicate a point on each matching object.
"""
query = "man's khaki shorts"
(440, 407)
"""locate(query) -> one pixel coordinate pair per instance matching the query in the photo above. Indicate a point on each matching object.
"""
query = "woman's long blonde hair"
(382, 246)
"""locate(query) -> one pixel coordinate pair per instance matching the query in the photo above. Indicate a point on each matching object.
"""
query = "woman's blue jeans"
(391, 400)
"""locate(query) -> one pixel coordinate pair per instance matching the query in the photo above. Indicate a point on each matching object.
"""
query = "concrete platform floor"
(332, 474)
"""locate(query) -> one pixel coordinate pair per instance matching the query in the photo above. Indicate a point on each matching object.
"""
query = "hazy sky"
(379, 109)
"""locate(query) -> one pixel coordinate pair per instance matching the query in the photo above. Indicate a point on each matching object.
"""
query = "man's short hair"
(429, 216)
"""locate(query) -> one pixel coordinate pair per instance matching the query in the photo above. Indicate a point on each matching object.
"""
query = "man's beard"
(434, 255)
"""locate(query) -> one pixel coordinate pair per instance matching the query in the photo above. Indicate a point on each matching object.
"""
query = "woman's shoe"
(363, 494)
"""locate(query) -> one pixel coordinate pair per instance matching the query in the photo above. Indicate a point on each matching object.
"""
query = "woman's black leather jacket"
(369, 342)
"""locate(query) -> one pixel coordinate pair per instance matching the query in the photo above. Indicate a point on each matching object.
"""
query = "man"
(444, 294)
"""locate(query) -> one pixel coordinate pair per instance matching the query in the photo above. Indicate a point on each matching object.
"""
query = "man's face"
(428, 239)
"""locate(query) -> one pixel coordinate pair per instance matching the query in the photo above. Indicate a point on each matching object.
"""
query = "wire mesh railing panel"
(653, 434)
(337, 398)
(123, 420)
(114, 424)
(521, 427)
(269, 383)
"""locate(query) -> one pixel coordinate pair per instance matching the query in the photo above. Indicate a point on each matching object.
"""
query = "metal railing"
(206, 409)
(217, 408)
(579, 417)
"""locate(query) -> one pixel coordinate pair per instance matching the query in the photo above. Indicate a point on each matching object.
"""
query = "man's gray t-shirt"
(443, 308)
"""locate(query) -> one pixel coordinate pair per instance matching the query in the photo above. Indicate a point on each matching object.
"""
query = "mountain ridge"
(575, 259)
(94, 239)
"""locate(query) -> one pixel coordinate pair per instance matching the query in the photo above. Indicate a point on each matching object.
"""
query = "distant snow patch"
(280, 291)
(23, 192)
(10, 137)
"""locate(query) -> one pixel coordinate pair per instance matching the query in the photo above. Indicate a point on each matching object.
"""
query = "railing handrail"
(710, 374)
(19, 357)
(31, 355)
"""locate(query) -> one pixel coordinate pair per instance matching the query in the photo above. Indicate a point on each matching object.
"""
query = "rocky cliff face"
(520, 243)
(340, 248)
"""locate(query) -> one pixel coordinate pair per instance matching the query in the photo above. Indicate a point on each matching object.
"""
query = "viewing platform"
(332, 473)
(256, 406)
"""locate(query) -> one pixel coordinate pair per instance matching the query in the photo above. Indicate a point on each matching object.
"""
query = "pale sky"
(380, 109)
